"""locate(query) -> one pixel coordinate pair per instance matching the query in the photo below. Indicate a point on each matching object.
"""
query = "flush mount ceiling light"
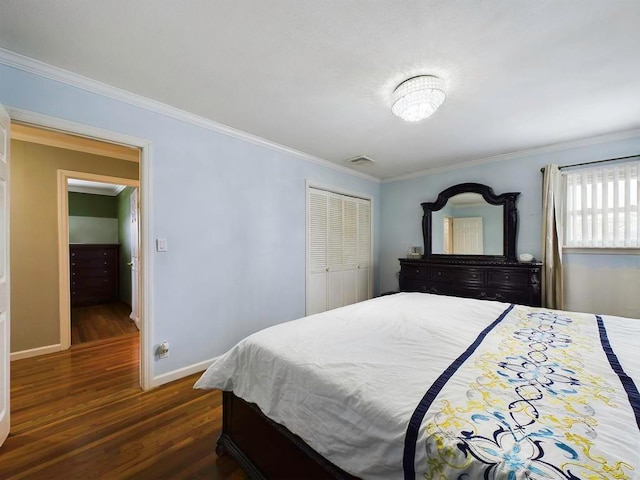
(418, 98)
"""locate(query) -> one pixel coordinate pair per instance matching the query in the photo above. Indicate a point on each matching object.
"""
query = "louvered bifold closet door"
(318, 260)
(334, 274)
(339, 250)
(349, 250)
(363, 284)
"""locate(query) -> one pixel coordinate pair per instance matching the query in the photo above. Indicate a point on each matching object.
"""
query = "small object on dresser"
(415, 252)
(526, 257)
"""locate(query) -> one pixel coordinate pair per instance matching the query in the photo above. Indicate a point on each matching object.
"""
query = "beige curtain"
(552, 231)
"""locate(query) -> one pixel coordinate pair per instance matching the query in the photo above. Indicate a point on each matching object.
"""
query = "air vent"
(361, 160)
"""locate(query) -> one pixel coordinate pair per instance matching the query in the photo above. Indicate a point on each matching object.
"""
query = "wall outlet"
(163, 350)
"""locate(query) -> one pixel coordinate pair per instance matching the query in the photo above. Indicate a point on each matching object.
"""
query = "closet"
(339, 267)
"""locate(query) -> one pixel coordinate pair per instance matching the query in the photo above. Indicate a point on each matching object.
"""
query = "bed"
(415, 385)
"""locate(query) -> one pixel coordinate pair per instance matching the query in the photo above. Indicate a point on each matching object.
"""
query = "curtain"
(552, 230)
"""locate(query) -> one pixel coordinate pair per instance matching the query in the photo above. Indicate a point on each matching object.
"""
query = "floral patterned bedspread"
(539, 395)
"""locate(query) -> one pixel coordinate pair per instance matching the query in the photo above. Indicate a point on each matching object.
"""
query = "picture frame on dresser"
(497, 276)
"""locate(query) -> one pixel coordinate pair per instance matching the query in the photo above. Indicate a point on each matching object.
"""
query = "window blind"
(603, 207)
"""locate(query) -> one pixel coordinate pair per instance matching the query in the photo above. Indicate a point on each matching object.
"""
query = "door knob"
(130, 264)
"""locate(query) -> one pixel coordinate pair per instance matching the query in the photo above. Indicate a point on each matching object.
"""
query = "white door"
(334, 275)
(4, 275)
(349, 251)
(467, 236)
(338, 250)
(317, 266)
(134, 256)
(363, 282)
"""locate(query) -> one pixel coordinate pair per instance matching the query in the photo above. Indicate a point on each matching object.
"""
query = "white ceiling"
(95, 188)
(318, 76)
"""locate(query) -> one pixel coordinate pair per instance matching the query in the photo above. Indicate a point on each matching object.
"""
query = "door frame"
(63, 243)
(145, 272)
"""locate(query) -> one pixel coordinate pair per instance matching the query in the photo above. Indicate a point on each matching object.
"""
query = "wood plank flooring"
(80, 414)
(97, 322)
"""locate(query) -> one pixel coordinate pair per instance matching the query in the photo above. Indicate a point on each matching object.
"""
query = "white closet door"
(339, 250)
(349, 250)
(334, 275)
(317, 261)
(363, 281)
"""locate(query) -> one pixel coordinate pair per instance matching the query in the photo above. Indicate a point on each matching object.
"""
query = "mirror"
(468, 225)
(469, 219)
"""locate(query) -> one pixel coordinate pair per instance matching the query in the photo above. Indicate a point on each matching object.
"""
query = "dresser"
(511, 282)
(94, 273)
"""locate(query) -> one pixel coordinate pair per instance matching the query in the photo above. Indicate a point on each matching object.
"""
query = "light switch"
(161, 244)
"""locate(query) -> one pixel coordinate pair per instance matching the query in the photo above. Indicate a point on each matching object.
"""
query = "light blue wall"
(236, 263)
(402, 213)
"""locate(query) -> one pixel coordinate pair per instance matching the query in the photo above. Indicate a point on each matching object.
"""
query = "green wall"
(90, 205)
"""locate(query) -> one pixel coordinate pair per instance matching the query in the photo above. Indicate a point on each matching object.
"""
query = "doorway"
(81, 138)
(103, 245)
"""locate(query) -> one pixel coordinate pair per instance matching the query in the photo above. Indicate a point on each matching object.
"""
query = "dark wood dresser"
(94, 273)
(512, 282)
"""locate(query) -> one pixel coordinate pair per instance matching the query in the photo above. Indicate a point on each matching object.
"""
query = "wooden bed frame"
(267, 450)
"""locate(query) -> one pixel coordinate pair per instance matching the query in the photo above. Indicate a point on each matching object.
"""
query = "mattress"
(424, 386)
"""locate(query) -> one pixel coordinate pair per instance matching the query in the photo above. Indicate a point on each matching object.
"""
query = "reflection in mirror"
(468, 225)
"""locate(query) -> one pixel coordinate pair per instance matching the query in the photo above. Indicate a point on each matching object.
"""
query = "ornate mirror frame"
(509, 224)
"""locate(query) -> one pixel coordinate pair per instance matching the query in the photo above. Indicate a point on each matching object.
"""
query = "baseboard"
(34, 352)
(181, 372)
(136, 320)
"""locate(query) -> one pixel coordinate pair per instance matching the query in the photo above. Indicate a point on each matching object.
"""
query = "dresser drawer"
(87, 252)
(507, 278)
(82, 273)
(521, 297)
(92, 282)
(466, 275)
(81, 263)
(417, 271)
(416, 285)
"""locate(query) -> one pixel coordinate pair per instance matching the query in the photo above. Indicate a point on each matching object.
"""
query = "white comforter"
(349, 380)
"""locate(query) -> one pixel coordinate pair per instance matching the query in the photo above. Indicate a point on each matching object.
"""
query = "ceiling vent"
(361, 160)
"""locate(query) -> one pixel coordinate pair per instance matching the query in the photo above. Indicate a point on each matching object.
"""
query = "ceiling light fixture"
(418, 98)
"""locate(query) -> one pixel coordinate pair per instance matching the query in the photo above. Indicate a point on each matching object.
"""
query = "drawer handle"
(506, 277)
(105, 263)
(473, 276)
(104, 253)
(73, 263)
(439, 273)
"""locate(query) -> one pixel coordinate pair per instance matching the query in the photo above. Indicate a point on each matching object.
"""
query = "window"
(602, 207)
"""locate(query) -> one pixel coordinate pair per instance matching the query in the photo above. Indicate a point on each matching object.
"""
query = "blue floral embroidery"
(537, 365)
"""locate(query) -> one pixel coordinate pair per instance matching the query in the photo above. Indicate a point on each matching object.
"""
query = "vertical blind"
(603, 206)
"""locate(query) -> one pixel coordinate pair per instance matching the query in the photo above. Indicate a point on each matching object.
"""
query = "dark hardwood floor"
(80, 414)
(97, 322)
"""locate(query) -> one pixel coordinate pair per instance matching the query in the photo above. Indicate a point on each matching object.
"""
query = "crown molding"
(99, 188)
(556, 147)
(36, 67)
